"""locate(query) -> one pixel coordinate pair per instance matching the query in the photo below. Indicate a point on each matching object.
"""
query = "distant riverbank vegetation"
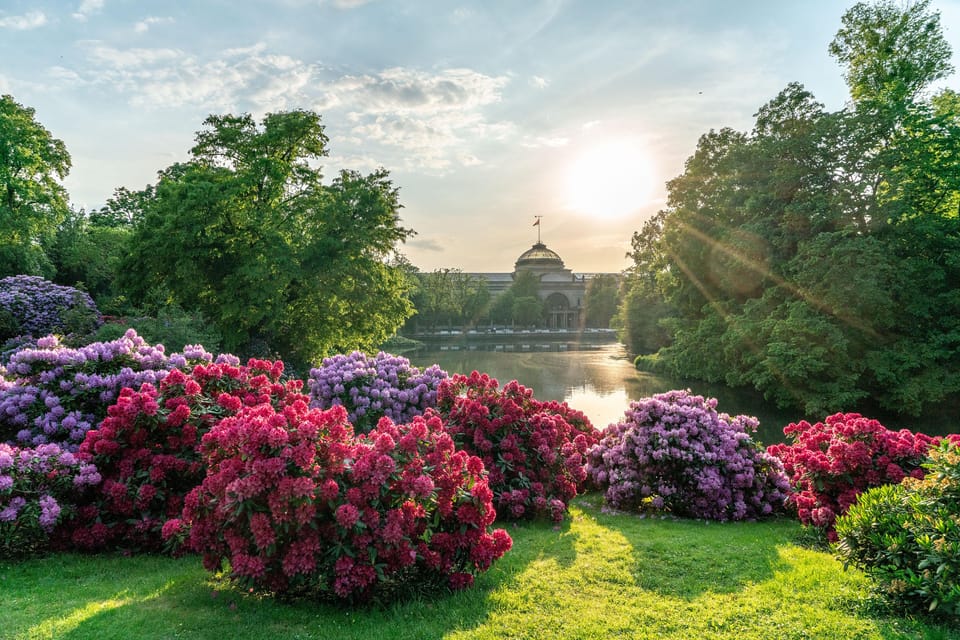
(816, 257)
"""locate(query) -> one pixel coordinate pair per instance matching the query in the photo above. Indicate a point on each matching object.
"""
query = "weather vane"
(537, 225)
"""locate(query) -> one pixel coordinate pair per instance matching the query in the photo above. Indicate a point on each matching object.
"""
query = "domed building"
(561, 290)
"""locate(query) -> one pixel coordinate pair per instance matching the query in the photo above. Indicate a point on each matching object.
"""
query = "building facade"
(561, 291)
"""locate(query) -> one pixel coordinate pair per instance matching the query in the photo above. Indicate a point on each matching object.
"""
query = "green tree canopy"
(815, 257)
(247, 233)
(32, 200)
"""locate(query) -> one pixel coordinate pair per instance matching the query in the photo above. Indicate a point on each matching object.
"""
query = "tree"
(600, 300)
(810, 258)
(450, 297)
(87, 253)
(32, 200)
(891, 51)
(247, 233)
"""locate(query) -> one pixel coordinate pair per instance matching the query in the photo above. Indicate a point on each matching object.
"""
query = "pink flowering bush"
(832, 462)
(147, 448)
(371, 388)
(534, 451)
(294, 502)
(38, 489)
(673, 452)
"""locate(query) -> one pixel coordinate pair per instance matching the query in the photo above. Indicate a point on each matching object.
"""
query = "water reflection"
(601, 382)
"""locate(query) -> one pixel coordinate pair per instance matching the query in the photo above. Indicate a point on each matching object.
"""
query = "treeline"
(242, 244)
(816, 257)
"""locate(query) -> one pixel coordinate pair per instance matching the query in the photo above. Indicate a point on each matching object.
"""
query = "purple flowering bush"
(673, 452)
(40, 307)
(38, 489)
(371, 388)
(53, 393)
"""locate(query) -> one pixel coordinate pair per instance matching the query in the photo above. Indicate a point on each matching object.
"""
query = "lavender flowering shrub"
(39, 488)
(40, 307)
(673, 452)
(371, 388)
(56, 394)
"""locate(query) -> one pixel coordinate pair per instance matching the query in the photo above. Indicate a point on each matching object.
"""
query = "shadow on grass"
(687, 558)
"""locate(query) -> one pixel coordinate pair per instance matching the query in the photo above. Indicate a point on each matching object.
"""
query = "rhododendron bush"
(56, 394)
(38, 488)
(371, 388)
(40, 307)
(533, 450)
(674, 452)
(147, 448)
(832, 462)
(293, 501)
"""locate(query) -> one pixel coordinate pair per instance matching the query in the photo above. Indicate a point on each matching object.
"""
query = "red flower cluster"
(296, 502)
(534, 451)
(146, 449)
(831, 463)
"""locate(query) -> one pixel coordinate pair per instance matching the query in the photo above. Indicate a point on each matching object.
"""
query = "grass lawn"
(597, 576)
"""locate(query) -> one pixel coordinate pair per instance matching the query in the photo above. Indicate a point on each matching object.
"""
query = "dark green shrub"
(907, 536)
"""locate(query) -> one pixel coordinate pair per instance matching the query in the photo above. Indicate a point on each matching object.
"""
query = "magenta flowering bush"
(534, 451)
(56, 394)
(147, 448)
(294, 502)
(38, 489)
(371, 388)
(831, 463)
(673, 452)
(40, 307)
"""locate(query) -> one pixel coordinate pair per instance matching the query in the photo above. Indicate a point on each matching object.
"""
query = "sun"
(609, 180)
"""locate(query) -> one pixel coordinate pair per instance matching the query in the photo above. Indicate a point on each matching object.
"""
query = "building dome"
(538, 257)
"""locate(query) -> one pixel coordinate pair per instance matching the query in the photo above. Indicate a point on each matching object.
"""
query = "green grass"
(597, 576)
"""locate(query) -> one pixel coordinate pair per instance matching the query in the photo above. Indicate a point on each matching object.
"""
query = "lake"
(601, 382)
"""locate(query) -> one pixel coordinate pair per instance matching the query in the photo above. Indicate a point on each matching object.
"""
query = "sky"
(485, 113)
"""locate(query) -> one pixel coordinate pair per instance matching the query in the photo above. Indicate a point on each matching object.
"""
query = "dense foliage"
(373, 387)
(831, 463)
(448, 298)
(147, 448)
(907, 536)
(295, 503)
(56, 393)
(38, 489)
(38, 307)
(673, 452)
(278, 261)
(815, 257)
(32, 200)
(533, 450)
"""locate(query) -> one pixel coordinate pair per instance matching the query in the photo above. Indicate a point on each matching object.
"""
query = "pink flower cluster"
(534, 451)
(674, 452)
(295, 501)
(147, 448)
(831, 463)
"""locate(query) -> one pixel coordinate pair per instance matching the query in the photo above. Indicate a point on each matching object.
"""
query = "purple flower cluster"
(674, 452)
(38, 305)
(38, 488)
(371, 388)
(57, 394)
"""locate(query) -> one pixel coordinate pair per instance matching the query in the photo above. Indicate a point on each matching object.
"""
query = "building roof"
(539, 256)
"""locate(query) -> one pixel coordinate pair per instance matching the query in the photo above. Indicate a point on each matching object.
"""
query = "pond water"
(601, 382)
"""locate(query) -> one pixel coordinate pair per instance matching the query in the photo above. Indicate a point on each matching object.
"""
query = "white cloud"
(30, 20)
(144, 25)
(88, 7)
(538, 82)
(416, 118)
(552, 142)
(349, 4)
